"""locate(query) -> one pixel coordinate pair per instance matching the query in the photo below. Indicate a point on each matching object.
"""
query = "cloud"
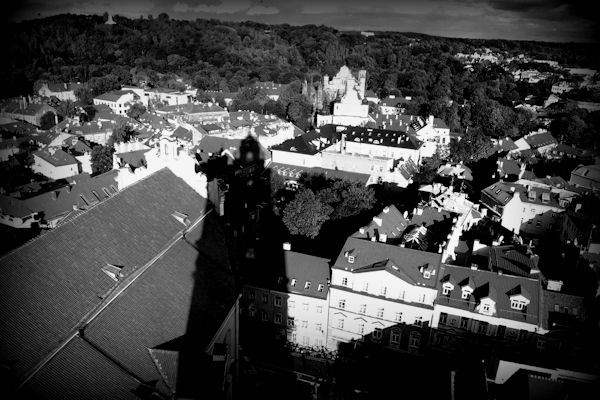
(262, 10)
(214, 7)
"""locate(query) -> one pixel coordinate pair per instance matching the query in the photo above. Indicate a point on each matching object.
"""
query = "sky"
(542, 20)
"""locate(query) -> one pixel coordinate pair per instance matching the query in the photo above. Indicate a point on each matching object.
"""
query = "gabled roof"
(311, 142)
(389, 222)
(48, 285)
(182, 133)
(367, 253)
(540, 140)
(56, 157)
(114, 95)
(490, 284)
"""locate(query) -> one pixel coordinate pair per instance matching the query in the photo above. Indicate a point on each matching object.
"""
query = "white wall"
(45, 168)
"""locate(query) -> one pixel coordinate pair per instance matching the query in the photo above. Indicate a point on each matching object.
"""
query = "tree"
(67, 109)
(102, 160)
(305, 214)
(299, 112)
(48, 120)
(136, 110)
(122, 133)
(84, 95)
(275, 108)
(354, 198)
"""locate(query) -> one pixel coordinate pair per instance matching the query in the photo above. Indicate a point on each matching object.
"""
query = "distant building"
(119, 101)
(344, 80)
(270, 89)
(165, 96)
(24, 110)
(561, 87)
(54, 163)
(392, 105)
(62, 91)
(349, 110)
(587, 177)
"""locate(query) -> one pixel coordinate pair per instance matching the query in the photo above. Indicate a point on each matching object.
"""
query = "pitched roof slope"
(389, 222)
(367, 253)
(50, 283)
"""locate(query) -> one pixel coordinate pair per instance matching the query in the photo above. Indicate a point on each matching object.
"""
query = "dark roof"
(311, 142)
(389, 222)
(56, 157)
(306, 268)
(394, 101)
(48, 285)
(540, 140)
(399, 261)
(381, 137)
(500, 286)
(64, 199)
(508, 167)
(79, 371)
(510, 261)
(215, 144)
(191, 108)
(182, 133)
(294, 172)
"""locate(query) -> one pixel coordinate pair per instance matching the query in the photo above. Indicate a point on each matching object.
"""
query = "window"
(395, 337)
(305, 324)
(426, 274)
(290, 322)
(252, 311)
(377, 333)
(501, 331)
(305, 306)
(84, 199)
(278, 318)
(340, 323)
(422, 298)
(342, 303)
(366, 287)
(443, 318)
(320, 309)
(466, 295)
(414, 340)
(265, 298)
(293, 336)
(380, 313)
(398, 317)
(264, 315)
(541, 344)
(517, 304)
(351, 259)
(383, 290)
(278, 301)
(321, 287)
(293, 283)
(361, 328)
(482, 328)
(363, 309)
(307, 285)
(305, 340)
(344, 281)
(402, 294)
(113, 188)
(419, 321)
(251, 296)
(318, 327)
(446, 290)
(291, 304)
(464, 322)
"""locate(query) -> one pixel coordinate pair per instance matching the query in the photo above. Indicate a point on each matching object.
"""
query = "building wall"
(5, 153)
(53, 172)
(517, 212)
(382, 151)
(377, 166)
(298, 159)
(121, 106)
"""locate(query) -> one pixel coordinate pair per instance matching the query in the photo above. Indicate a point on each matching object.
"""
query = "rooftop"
(381, 137)
(56, 157)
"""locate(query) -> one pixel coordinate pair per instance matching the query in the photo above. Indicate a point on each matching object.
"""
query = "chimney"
(287, 246)
(386, 210)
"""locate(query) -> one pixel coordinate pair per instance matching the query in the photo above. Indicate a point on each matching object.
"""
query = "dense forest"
(217, 55)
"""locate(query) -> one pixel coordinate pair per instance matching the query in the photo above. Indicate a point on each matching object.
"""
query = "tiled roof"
(369, 255)
(182, 133)
(393, 101)
(389, 222)
(191, 108)
(383, 137)
(505, 144)
(80, 371)
(63, 200)
(50, 283)
(306, 268)
(57, 158)
(408, 124)
(510, 261)
(501, 286)
(540, 140)
(508, 167)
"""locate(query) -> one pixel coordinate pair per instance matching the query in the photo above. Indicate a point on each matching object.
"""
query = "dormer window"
(351, 259)
(426, 274)
(293, 283)
(321, 287)
(485, 308)
(307, 285)
(344, 281)
(517, 304)
(446, 290)
(466, 294)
